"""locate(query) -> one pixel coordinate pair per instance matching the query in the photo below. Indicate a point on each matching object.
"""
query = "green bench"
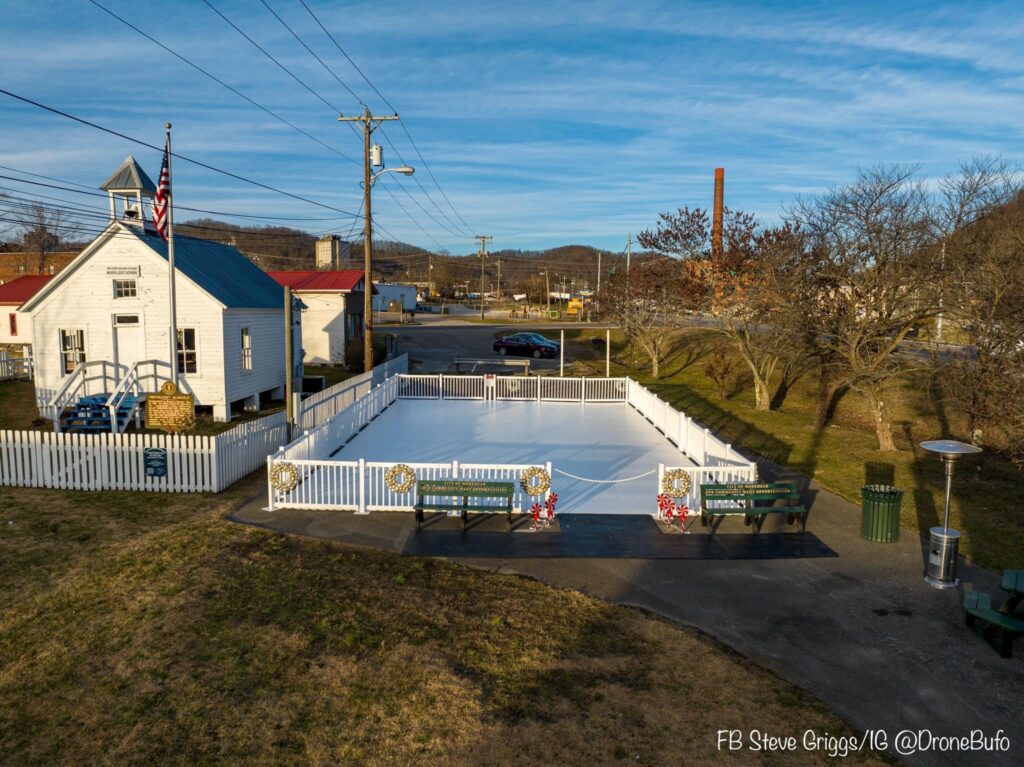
(472, 495)
(756, 500)
(978, 606)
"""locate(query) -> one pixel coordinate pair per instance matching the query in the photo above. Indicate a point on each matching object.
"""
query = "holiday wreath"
(535, 481)
(400, 478)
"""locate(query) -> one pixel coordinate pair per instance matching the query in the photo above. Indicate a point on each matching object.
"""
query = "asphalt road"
(433, 344)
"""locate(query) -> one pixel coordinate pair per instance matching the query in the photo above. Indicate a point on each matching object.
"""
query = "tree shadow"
(924, 501)
(790, 376)
(685, 351)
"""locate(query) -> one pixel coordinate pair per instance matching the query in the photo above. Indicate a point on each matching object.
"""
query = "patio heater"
(944, 542)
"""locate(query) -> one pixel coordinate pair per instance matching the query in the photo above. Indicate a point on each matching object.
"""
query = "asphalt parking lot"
(434, 344)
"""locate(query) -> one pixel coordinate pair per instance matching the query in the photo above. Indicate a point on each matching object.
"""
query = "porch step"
(91, 416)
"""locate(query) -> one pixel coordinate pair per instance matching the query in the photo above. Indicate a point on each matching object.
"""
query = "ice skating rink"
(597, 441)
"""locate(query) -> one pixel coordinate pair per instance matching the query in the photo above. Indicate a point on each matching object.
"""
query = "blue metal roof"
(221, 271)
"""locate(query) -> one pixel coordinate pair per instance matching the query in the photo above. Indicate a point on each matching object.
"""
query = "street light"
(944, 542)
(405, 170)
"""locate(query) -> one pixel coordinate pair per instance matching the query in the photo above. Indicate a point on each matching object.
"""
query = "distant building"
(15, 264)
(393, 296)
(109, 309)
(16, 327)
(330, 251)
(333, 313)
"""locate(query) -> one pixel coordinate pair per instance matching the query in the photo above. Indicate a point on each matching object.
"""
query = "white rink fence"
(194, 464)
(358, 485)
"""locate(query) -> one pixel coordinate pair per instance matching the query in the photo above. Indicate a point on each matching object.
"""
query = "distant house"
(15, 264)
(15, 327)
(333, 313)
(109, 310)
(393, 296)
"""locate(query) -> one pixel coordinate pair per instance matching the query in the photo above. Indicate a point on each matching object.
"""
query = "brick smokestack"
(716, 221)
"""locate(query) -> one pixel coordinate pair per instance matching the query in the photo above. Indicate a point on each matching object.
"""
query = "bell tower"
(126, 188)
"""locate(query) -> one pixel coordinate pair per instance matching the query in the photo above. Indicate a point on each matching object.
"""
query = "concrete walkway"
(861, 630)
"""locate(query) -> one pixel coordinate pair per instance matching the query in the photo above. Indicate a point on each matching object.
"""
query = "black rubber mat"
(612, 536)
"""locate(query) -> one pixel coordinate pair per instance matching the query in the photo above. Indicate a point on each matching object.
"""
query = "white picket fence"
(194, 463)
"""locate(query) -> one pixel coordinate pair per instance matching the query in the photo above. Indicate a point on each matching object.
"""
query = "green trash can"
(880, 513)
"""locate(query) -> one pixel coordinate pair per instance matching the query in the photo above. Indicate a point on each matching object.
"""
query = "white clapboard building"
(105, 318)
(332, 314)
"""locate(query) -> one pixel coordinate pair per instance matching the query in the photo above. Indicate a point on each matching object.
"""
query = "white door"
(128, 342)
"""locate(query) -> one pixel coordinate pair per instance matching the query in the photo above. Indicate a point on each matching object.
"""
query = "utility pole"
(430, 276)
(289, 362)
(547, 292)
(499, 279)
(629, 251)
(370, 124)
(484, 239)
(599, 271)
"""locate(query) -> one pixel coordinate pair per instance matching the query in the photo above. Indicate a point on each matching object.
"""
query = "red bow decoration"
(549, 506)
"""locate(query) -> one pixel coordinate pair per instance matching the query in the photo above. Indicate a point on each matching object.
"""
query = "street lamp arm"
(405, 170)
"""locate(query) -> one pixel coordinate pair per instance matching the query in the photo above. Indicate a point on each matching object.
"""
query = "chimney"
(716, 221)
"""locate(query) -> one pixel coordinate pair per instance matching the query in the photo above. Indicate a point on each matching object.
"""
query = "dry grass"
(147, 629)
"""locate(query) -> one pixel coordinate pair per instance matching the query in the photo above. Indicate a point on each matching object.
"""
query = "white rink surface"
(593, 440)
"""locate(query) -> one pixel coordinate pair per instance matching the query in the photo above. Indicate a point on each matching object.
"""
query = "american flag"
(163, 194)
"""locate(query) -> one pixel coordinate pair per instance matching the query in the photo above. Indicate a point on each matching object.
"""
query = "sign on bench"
(747, 495)
(464, 489)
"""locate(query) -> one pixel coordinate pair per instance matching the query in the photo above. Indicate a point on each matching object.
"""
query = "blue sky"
(545, 123)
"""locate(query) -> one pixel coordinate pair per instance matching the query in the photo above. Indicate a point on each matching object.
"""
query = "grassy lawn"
(843, 456)
(141, 629)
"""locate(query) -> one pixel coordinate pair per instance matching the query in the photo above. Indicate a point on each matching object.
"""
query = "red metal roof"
(19, 291)
(343, 280)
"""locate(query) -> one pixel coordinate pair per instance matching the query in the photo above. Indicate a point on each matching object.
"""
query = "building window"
(13, 319)
(72, 350)
(124, 289)
(246, 350)
(187, 358)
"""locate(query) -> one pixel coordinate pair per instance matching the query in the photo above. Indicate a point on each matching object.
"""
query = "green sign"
(155, 460)
(753, 488)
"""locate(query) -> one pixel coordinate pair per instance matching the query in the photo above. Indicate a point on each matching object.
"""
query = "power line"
(401, 160)
(221, 82)
(270, 56)
(355, 66)
(89, 191)
(146, 144)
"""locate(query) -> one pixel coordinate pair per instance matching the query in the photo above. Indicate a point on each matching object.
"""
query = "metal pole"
(607, 353)
(289, 366)
(367, 250)
(948, 462)
(547, 291)
(170, 265)
(561, 353)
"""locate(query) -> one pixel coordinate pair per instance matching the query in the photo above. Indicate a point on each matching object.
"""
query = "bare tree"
(744, 287)
(41, 229)
(647, 302)
(985, 262)
(870, 275)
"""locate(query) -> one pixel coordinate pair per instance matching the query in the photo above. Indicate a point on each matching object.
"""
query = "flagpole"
(170, 265)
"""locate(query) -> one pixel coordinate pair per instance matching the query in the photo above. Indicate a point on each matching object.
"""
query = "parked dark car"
(526, 345)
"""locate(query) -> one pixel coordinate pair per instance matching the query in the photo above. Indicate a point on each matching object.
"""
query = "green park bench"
(473, 495)
(756, 500)
(978, 607)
